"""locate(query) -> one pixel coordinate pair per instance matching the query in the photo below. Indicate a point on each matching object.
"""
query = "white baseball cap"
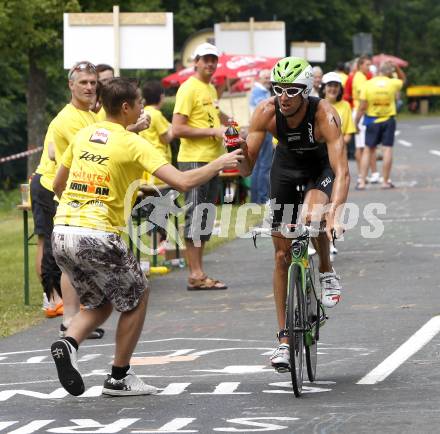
(205, 49)
(331, 77)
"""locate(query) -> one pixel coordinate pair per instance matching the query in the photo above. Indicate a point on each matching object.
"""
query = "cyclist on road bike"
(309, 166)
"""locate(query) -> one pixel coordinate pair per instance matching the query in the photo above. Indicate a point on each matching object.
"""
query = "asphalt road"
(208, 352)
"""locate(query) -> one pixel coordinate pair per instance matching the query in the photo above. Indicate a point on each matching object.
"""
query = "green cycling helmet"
(293, 70)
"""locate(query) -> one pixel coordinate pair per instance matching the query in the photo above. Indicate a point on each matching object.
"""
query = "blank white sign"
(141, 46)
(269, 42)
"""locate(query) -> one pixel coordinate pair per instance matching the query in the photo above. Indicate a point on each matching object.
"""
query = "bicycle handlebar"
(286, 231)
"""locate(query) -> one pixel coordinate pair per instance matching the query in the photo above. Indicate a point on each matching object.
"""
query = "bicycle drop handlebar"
(287, 232)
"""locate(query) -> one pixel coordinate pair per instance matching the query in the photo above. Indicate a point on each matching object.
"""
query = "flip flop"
(387, 186)
(205, 283)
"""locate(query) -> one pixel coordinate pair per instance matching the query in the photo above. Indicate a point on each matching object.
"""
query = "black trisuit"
(300, 163)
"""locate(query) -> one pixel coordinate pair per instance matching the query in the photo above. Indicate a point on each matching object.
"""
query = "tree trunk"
(36, 109)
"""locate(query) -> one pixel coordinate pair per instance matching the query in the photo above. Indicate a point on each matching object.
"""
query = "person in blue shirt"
(260, 175)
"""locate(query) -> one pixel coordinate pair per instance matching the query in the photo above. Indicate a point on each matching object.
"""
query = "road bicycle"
(302, 304)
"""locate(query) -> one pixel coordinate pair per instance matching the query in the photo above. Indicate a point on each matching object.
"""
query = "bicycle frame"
(300, 257)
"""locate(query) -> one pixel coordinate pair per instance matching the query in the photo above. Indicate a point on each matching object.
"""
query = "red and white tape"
(20, 155)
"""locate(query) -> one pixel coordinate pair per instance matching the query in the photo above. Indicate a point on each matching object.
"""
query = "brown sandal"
(205, 283)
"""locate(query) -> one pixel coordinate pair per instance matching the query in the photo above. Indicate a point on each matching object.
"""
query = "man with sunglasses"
(309, 167)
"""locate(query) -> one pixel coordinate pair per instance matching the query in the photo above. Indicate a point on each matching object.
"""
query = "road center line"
(403, 353)
(405, 143)
(434, 152)
(429, 127)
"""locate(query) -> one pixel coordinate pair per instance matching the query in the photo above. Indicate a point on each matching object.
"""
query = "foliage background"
(33, 86)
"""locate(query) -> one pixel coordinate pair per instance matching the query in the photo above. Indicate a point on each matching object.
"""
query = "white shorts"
(359, 139)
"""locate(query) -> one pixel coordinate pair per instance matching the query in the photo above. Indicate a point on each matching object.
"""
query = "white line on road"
(434, 152)
(429, 127)
(405, 143)
(396, 133)
(403, 353)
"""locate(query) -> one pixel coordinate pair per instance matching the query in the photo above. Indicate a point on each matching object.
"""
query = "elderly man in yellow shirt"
(378, 107)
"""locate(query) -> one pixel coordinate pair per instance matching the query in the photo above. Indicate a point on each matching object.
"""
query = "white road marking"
(171, 427)
(36, 359)
(238, 369)
(174, 389)
(403, 353)
(4, 425)
(31, 427)
(405, 143)
(397, 133)
(140, 343)
(226, 388)
(429, 127)
(87, 357)
(434, 152)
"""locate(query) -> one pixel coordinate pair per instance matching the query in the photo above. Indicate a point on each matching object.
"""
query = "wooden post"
(116, 39)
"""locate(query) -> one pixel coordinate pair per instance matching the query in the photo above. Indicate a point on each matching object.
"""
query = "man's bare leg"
(85, 321)
(387, 163)
(128, 331)
(70, 300)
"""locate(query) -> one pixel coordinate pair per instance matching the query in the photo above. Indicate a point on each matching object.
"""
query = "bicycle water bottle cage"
(284, 333)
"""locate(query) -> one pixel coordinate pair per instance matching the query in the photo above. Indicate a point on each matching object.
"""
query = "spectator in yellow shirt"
(197, 121)
(332, 91)
(360, 77)
(104, 162)
(378, 107)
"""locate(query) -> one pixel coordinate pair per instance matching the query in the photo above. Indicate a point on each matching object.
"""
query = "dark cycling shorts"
(43, 207)
(287, 192)
(381, 133)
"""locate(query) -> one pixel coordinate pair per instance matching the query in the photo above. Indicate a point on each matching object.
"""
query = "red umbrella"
(381, 58)
(229, 66)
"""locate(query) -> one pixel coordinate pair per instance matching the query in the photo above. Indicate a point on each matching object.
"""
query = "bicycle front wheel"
(312, 333)
(295, 326)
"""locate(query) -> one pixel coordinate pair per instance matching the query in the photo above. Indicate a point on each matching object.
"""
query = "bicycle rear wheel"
(312, 334)
(295, 326)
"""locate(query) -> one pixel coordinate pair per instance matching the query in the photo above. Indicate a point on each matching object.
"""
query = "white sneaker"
(280, 358)
(374, 178)
(130, 385)
(311, 250)
(64, 356)
(330, 288)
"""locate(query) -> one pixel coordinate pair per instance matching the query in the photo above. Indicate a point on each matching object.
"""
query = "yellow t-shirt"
(380, 94)
(344, 110)
(106, 164)
(343, 76)
(47, 167)
(359, 80)
(158, 126)
(101, 115)
(66, 124)
(198, 101)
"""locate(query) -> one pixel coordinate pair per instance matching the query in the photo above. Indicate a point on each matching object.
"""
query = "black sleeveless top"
(297, 148)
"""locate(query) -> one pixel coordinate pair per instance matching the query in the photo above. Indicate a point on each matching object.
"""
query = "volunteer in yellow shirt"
(359, 79)
(197, 121)
(378, 105)
(43, 212)
(159, 133)
(96, 182)
(82, 82)
(332, 91)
